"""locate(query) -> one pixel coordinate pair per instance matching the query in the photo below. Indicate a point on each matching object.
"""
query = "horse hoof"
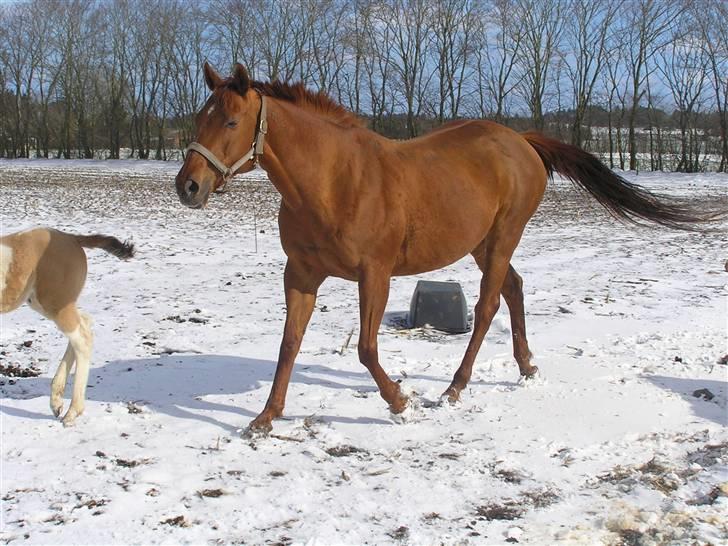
(399, 405)
(69, 419)
(258, 429)
(411, 413)
(451, 396)
(57, 407)
(531, 374)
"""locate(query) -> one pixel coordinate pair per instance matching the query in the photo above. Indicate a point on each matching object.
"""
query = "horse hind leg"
(512, 292)
(77, 328)
(493, 257)
(58, 386)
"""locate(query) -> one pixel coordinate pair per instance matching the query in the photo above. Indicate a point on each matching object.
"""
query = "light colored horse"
(47, 269)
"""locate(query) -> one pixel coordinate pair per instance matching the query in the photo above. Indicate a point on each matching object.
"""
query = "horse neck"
(299, 147)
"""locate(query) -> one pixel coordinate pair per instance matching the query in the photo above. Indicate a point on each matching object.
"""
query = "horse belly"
(432, 244)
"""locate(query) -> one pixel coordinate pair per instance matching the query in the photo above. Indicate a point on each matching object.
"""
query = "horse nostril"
(191, 187)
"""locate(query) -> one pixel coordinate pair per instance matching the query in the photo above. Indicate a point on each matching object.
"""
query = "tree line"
(643, 83)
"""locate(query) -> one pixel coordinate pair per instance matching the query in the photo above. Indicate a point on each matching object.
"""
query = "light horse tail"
(623, 199)
(112, 245)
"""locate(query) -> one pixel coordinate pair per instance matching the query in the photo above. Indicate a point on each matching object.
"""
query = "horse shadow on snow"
(178, 384)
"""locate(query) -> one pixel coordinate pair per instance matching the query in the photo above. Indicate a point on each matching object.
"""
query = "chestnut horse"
(359, 206)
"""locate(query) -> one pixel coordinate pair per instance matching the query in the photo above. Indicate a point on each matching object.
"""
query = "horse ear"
(241, 80)
(212, 78)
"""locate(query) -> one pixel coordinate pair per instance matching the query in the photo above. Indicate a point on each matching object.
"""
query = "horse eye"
(231, 124)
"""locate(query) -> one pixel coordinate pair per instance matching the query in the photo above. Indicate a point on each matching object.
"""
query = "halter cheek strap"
(256, 150)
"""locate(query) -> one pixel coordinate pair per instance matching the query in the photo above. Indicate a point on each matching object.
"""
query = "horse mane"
(315, 101)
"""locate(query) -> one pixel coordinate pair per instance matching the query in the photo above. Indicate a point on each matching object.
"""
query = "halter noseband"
(256, 150)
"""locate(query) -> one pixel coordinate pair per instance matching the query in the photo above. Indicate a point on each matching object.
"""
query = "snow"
(608, 445)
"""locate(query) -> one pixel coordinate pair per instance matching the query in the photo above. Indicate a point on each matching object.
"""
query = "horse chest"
(326, 251)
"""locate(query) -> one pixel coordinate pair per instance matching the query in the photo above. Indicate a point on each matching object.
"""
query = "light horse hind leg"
(76, 326)
(81, 341)
(58, 385)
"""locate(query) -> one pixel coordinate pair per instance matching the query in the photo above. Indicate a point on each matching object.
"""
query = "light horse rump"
(362, 207)
(47, 269)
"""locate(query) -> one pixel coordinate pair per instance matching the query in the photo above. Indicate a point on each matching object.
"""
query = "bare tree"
(711, 16)
(145, 70)
(683, 66)
(112, 87)
(377, 46)
(649, 23)
(74, 37)
(281, 31)
(187, 53)
(586, 32)
(615, 83)
(21, 63)
(498, 42)
(233, 32)
(543, 24)
(326, 52)
(353, 44)
(454, 23)
(409, 22)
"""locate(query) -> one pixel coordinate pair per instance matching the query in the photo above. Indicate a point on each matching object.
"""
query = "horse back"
(47, 264)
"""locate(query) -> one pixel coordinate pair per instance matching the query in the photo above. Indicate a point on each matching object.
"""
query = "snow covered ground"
(611, 446)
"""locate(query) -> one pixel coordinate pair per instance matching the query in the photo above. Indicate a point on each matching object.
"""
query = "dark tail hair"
(112, 245)
(623, 199)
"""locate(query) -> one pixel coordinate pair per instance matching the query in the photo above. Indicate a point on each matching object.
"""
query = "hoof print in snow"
(705, 394)
(541, 498)
(92, 503)
(344, 451)
(400, 533)
(133, 408)
(178, 521)
(508, 510)
(198, 320)
(211, 493)
(12, 370)
(131, 463)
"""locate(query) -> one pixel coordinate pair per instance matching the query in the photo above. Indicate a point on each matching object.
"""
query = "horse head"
(232, 118)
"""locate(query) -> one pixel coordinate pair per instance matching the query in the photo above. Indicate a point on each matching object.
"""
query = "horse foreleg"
(301, 287)
(513, 294)
(494, 263)
(373, 295)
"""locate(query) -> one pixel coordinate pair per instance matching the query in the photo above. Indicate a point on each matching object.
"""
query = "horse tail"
(623, 199)
(112, 245)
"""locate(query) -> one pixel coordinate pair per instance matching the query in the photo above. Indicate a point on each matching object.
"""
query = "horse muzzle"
(191, 193)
